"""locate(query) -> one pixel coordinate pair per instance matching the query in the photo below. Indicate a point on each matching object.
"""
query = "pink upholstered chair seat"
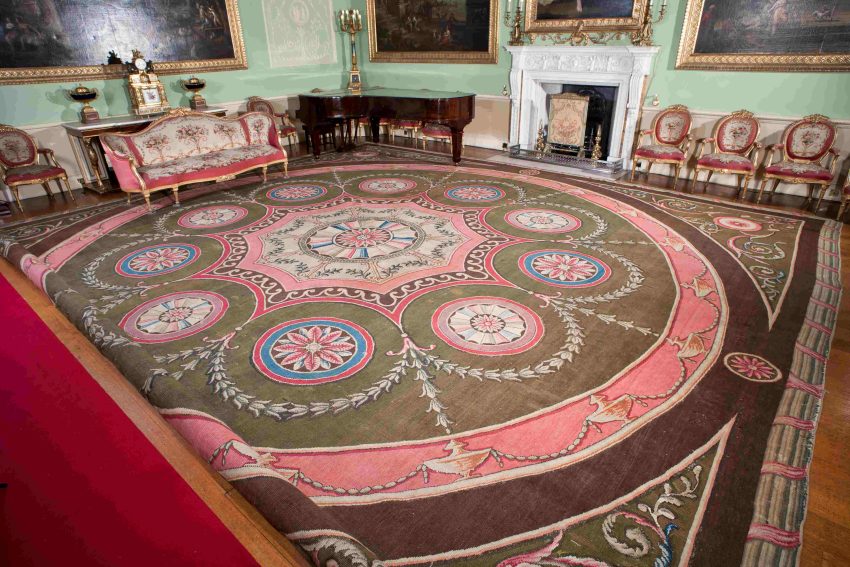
(731, 162)
(659, 151)
(436, 131)
(407, 123)
(33, 173)
(812, 171)
(287, 130)
(208, 166)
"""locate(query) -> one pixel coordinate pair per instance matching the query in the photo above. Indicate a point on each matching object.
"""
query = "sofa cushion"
(811, 171)
(31, 173)
(184, 136)
(208, 166)
(731, 162)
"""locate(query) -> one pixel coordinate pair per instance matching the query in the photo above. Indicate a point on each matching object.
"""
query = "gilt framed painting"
(766, 35)
(557, 16)
(45, 41)
(433, 31)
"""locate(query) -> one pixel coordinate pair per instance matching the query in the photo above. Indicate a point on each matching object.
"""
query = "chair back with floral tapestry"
(808, 140)
(17, 148)
(257, 104)
(737, 133)
(672, 125)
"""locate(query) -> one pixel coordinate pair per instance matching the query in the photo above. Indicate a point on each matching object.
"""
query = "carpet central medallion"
(363, 239)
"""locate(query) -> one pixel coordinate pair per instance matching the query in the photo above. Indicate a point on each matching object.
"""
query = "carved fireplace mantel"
(535, 67)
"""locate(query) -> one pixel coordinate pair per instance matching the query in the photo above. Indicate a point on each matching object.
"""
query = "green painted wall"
(783, 94)
(23, 105)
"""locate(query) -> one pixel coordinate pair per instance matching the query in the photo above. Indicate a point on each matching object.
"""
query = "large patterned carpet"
(402, 362)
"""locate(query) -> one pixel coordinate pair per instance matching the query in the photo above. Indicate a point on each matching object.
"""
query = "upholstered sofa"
(191, 147)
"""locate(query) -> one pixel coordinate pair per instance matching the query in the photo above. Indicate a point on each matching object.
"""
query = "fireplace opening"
(599, 117)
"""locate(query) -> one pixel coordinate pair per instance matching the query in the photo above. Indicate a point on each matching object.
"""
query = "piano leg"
(457, 144)
(316, 141)
(375, 123)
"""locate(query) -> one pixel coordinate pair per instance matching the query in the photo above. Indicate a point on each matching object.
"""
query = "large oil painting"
(433, 31)
(766, 35)
(61, 40)
(554, 16)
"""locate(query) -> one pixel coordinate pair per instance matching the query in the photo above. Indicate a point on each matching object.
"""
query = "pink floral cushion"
(800, 170)
(211, 160)
(736, 134)
(732, 162)
(287, 130)
(16, 148)
(31, 173)
(117, 144)
(437, 131)
(407, 123)
(658, 151)
(672, 126)
(809, 140)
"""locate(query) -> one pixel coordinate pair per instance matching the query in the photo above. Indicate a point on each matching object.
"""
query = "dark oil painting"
(774, 27)
(433, 25)
(583, 9)
(75, 33)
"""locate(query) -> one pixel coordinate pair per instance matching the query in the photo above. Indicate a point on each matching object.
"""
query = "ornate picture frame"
(544, 16)
(417, 31)
(779, 37)
(51, 48)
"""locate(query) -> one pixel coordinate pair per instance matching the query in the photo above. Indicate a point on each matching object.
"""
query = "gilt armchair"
(19, 164)
(669, 141)
(734, 149)
(433, 131)
(287, 129)
(805, 145)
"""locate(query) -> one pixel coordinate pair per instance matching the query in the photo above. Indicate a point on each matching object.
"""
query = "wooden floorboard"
(827, 527)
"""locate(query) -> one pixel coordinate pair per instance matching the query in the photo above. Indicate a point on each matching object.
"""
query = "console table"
(85, 143)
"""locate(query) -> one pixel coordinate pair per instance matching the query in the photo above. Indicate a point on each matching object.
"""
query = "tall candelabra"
(351, 23)
(515, 23)
(643, 36)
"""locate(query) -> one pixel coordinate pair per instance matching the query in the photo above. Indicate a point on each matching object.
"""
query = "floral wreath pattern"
(157, 260)
(207, 217)
(313, 351)
(475, 193)
(487, 326)
(542, 220)
(174, 316)
(295, 193)
(566, 269)
(751, 367)
(387, 185)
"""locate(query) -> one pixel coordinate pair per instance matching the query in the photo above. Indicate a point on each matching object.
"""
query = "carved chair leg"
(678, 169)
(174, 191)
(708, 179)
(128, 198)
(820, 196)
(47, 190)
(761, 190)
(67, 188)
(745, 186)
(286, 168)
(841, 208)
(775, 185)
(265, 173)
(635, 164)
(147, 197)
(17, 191)
(694, 180)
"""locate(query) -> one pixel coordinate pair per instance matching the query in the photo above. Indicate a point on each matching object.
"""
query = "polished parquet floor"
(827, 528)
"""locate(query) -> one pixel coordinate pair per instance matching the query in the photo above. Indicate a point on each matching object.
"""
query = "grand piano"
(320, 109)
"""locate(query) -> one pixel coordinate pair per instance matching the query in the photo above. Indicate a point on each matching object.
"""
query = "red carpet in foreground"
(84, 486)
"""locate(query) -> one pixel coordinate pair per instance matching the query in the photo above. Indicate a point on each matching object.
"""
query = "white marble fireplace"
(536, 70)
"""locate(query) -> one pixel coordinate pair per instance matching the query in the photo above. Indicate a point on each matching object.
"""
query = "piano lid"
(389, 93)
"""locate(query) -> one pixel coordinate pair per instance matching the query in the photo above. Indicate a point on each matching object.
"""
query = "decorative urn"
(85, 96)
(195, 85)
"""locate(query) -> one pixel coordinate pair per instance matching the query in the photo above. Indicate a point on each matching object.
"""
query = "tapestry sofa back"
(186, 136)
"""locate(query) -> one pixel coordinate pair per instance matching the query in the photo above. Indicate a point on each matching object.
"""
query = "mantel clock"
(147, 93)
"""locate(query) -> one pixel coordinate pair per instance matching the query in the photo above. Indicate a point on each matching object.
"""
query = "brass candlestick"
(350, 22)
(597, 145)
(643, 36)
